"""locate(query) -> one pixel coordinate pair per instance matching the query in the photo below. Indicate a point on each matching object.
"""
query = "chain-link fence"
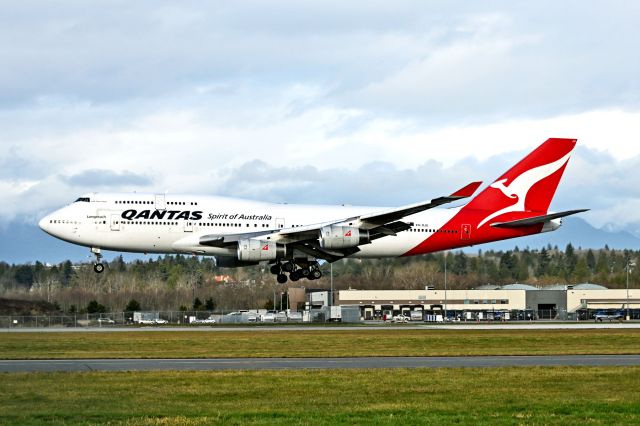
(114, 319)
(350, 314)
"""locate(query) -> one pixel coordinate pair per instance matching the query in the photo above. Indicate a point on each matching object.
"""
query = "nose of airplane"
(44, 224)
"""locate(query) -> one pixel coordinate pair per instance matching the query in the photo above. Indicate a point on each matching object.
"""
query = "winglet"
(467, 191)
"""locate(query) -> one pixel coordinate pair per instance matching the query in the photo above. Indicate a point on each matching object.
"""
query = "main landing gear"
(296, 270)
(98, 267)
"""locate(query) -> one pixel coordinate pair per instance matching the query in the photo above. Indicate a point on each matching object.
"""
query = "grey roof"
(518, 286)
(488, 287)
(589, 286)
(556, 287)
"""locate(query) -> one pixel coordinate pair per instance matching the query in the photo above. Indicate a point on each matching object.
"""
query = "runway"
(220, 364)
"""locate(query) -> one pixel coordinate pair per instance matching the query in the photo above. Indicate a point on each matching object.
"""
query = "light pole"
(629, 265)
(445, 286)
(331, 279)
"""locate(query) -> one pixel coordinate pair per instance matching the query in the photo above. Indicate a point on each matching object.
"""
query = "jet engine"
(257, 250)
(339, 237)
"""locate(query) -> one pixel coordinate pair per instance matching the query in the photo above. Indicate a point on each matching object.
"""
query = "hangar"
(523, 301)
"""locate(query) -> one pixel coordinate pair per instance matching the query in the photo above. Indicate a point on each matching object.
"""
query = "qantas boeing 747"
(294, 237)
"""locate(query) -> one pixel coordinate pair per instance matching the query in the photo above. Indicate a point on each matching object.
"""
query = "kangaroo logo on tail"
(520, 186)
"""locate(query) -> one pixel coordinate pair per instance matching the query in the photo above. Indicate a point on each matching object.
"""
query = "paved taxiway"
(217, 364)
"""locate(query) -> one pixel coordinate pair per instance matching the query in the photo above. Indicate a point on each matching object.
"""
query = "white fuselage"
(151, 223)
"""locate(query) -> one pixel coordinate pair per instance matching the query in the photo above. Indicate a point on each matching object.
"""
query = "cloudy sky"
(373, 102)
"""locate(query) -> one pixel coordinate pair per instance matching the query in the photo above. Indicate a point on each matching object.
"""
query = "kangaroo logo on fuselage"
(520, 186)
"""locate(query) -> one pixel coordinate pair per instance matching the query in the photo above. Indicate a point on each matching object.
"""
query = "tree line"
(177, 282)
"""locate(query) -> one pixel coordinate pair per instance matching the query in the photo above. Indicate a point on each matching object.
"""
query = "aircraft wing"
(306, 238)
(376, 219)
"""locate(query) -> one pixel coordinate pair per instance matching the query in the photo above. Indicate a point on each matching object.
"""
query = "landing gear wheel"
(294, 276)
(275, 269)
(287, 267)
(98, 267)
(316, 274)
(304, 272)
(282, 278)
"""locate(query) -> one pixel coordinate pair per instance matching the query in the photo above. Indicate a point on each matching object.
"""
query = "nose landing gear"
(98, 267)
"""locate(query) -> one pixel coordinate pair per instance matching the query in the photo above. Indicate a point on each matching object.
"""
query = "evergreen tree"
(508, 265)
(118, 264)
(543, 262)
(95, 308)
(23, 275)
(581, 272)
(67, 272)
(133, 306)
(197, 304)
(591, 261)
(459, 263)
(209, 304)
(570, 260)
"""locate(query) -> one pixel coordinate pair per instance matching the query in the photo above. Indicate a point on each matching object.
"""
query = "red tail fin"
(528, 186)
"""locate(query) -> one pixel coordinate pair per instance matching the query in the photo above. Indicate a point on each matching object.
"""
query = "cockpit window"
(82, 199)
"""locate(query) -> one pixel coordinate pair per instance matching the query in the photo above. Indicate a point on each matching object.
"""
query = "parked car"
(401, 318)
(281, 317)
(609, 316)
(209, 320)
(270, 316)
(295, 316)
(106, 321)
(160, 321)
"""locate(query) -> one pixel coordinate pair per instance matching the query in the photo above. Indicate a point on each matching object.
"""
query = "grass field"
(553, 395)
(316, 343)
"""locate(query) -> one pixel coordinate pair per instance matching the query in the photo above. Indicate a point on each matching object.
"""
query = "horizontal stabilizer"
(536, 219)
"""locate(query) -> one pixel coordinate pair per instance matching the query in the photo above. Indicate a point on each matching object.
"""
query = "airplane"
(293, 238)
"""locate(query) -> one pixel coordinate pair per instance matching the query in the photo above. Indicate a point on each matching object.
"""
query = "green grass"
(550, 395)
(316, 343)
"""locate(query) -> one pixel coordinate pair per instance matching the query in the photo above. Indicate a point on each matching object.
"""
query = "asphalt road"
(217, 364)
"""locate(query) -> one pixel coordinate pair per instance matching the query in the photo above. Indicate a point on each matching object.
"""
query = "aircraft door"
(279, 223)
(465, 232)
(115, 222)
(160, 203)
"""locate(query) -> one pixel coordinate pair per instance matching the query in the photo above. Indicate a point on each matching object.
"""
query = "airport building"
(513, 301)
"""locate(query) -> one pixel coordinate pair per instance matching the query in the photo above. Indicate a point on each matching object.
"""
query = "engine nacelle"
(338, 237)
(257, 250)
(551, 225)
